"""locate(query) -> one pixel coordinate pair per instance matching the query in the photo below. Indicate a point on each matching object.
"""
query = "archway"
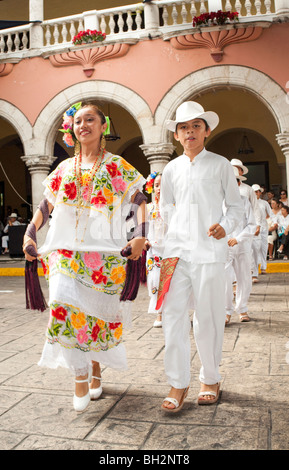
(15, 190)
(18, 120)
(100, 91)
(212, 88)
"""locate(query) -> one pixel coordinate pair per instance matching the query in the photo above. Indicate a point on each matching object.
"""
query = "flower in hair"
(67, 125)
(150, 181)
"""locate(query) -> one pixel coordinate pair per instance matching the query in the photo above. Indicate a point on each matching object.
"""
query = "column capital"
(38, 163)
(283, 141)
(158, 155)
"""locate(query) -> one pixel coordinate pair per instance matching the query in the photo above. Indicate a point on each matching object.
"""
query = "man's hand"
(232, 242)
(257, 231)
(216, 231)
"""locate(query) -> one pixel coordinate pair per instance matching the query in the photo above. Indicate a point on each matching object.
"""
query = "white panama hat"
(256, 187)
(236, 162)
(238, 176)
(191, 110)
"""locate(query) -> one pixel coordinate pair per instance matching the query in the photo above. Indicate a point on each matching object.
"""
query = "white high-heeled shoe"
(95, 392)
(80, 403)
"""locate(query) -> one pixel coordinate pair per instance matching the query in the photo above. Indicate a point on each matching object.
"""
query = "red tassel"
(143, 271)
(34, 296)
(132, 280)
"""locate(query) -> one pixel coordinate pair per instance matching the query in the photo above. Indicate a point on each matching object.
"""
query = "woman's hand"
(137, 246)
(147, 245)
(26, 242)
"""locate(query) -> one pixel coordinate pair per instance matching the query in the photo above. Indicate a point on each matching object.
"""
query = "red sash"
(167, 270)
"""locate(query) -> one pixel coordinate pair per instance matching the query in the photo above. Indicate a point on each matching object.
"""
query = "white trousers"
(207, 284)
(264, 249)
(5, 239)
(256, 255)
(238, 267)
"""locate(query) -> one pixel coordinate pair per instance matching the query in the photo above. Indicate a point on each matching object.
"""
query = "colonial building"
(152, 60)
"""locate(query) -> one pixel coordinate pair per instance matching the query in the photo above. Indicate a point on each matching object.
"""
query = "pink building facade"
(152, 60)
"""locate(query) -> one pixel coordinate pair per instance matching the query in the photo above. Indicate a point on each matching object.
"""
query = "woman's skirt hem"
(79, 362)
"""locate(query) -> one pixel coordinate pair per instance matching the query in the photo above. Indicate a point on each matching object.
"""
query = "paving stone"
(252, 414)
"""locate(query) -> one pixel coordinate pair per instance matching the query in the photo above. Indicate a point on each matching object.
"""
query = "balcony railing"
(133, 22)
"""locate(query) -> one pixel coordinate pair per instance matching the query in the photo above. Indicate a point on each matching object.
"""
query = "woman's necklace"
(81, 201)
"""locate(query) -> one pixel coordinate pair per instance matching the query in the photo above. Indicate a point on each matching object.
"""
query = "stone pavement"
(252, 414)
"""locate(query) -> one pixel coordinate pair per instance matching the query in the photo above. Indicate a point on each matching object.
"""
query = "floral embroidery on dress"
(73, 329)
(111, 183)
(100, 271)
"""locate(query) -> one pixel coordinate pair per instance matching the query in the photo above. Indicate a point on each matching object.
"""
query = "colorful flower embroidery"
(92, 259)
(74, 329)
(119, 185)
(82, 337)
(60, 313)
(55, 183)
(78, 320)
(118, 275)
(70, 190)
(113, 170)
(98, 277)
(99, 199)
(102, 272)
(111, 182)
(153, 262)
(66, 253)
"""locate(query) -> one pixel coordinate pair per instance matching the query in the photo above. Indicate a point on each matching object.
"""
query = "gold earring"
(102, 142)
(77, 148)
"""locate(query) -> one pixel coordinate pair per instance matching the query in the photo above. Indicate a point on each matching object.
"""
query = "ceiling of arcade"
(19, 9)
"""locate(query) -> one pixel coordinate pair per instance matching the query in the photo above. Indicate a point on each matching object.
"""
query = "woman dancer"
(90, 195)
(154, 245)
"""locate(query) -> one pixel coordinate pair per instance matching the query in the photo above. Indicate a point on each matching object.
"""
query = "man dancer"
(239, 260)
(194, 187)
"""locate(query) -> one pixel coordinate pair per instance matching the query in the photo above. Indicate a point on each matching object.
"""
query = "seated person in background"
(272, 232)
(270, 196)
(282, 226)
(1, 233)
(12, 220)
(283, 197)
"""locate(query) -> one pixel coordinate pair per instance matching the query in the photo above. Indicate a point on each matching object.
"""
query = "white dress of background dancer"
(155, 244)
(238, 265)
(260, 253)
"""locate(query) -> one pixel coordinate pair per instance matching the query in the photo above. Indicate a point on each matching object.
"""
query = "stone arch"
(18, 120)
(103, 90)
(258, 83)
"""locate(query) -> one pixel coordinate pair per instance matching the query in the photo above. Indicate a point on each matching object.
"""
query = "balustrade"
(130, 21)
(14, 39)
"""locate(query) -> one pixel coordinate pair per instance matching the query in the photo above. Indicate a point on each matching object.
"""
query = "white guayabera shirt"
(192, 198)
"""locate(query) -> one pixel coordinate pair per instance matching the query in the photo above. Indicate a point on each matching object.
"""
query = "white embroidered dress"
(86, 277)
(154, 254)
